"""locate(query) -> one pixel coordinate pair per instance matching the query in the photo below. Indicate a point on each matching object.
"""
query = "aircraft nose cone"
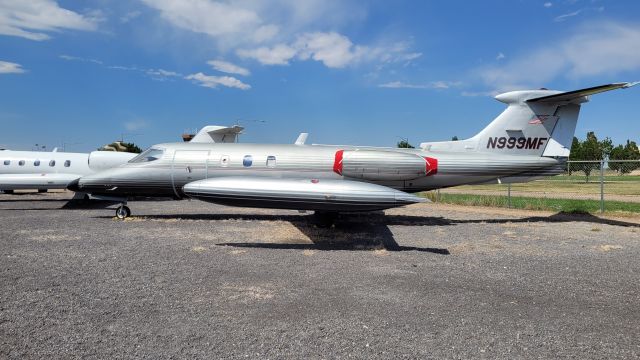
(74, 185)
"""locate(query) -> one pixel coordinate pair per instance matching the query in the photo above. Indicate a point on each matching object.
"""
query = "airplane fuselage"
(183, 163)
(52, 170)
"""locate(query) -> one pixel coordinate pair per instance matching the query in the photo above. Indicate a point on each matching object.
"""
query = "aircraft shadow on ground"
(560, 217)
(350, 232)
(371, 231)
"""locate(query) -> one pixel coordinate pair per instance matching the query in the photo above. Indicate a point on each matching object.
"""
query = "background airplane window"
(21, 162)
(7, 162)
(67, 163)
(247, 160)
(271, 161)
(52, 163)
(148, 155)
(36, 163)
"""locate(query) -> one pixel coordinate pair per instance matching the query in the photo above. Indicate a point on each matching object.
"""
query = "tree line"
(592, 149)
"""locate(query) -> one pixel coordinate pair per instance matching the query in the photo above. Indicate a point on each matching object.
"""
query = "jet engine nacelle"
(377, 165)
(102, 160)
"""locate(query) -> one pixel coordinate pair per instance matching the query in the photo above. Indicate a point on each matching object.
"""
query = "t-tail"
(536, 122)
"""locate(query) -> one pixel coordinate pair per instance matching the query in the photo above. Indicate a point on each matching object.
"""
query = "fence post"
(602, 186)
(509, 195)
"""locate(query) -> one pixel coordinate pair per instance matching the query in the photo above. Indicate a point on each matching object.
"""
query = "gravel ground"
(186, 279)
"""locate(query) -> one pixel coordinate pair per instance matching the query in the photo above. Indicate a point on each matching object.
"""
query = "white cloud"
(10, 68)
(227, 67)
(577, 12)
(77, 58)
(564, 17)
(431, 85)
(32, 19)
(500, 56)
(401, 85)
(161, 74)
(208, 17)
(595, 49)
(130, 16)
(239, 23)
(136, 124)
(279, 31)
(213, 81)
(548, 4)
(278, 55)
(332, 49)
(155, 74)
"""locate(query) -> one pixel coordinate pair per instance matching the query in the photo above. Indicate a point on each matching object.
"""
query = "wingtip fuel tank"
(299, 194)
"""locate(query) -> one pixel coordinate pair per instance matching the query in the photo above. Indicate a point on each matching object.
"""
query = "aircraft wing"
(298, 194)
(218, 134)
(576, 94)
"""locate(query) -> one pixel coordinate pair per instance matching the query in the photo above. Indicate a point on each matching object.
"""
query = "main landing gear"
(123, 211)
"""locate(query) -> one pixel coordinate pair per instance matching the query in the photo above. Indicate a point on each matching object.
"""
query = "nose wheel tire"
(123, 212)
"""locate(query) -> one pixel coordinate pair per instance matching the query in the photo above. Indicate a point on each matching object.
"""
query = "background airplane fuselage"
(52, 170)
(183, 163)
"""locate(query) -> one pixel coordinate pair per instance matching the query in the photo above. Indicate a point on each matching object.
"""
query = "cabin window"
(52, 163)
(67, 163)
(271, 161)
(247, 160)
(148, 155)
(21, 162)
(7, 162)
(36, 163)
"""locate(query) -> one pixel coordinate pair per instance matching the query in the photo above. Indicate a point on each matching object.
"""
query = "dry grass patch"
(607, 248)
(198, 249)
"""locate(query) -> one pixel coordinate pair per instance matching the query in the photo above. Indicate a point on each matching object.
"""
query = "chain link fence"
(590, 186)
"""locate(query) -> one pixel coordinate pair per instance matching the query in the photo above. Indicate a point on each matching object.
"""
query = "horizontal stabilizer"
(576, 94)
(218, 134)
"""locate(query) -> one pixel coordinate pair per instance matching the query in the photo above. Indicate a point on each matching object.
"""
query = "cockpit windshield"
(148, 155)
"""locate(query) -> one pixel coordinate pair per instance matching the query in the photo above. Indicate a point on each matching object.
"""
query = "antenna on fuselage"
(240, 120)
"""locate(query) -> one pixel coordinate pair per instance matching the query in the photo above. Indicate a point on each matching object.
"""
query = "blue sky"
(348, 72)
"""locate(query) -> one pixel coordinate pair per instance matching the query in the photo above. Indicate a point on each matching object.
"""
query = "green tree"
(592, 150)
(454, 138)
(575, 153)
(629, 151)
(121, 146)
(404, 144)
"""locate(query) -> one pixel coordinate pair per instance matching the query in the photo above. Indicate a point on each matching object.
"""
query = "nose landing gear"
(123, 212)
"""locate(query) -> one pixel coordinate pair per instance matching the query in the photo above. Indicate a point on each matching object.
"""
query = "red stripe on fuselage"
(431, 165)
(337, 163)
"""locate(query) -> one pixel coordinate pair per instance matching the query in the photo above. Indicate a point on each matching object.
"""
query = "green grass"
(594, 177)
(562, 184)
(527, 203)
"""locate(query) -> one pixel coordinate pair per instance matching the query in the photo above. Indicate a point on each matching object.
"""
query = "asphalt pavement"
(187, 279)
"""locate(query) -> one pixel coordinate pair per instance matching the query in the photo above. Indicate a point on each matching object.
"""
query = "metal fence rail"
(606, 184)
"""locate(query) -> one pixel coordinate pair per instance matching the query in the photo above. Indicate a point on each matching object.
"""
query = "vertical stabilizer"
(537, 122)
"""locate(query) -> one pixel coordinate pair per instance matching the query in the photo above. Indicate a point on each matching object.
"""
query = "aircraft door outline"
(193, 169)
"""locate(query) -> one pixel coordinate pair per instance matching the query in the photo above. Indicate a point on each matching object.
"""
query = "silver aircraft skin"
(530, 139)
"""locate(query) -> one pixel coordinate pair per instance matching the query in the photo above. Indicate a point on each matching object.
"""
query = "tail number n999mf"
(515, 143)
